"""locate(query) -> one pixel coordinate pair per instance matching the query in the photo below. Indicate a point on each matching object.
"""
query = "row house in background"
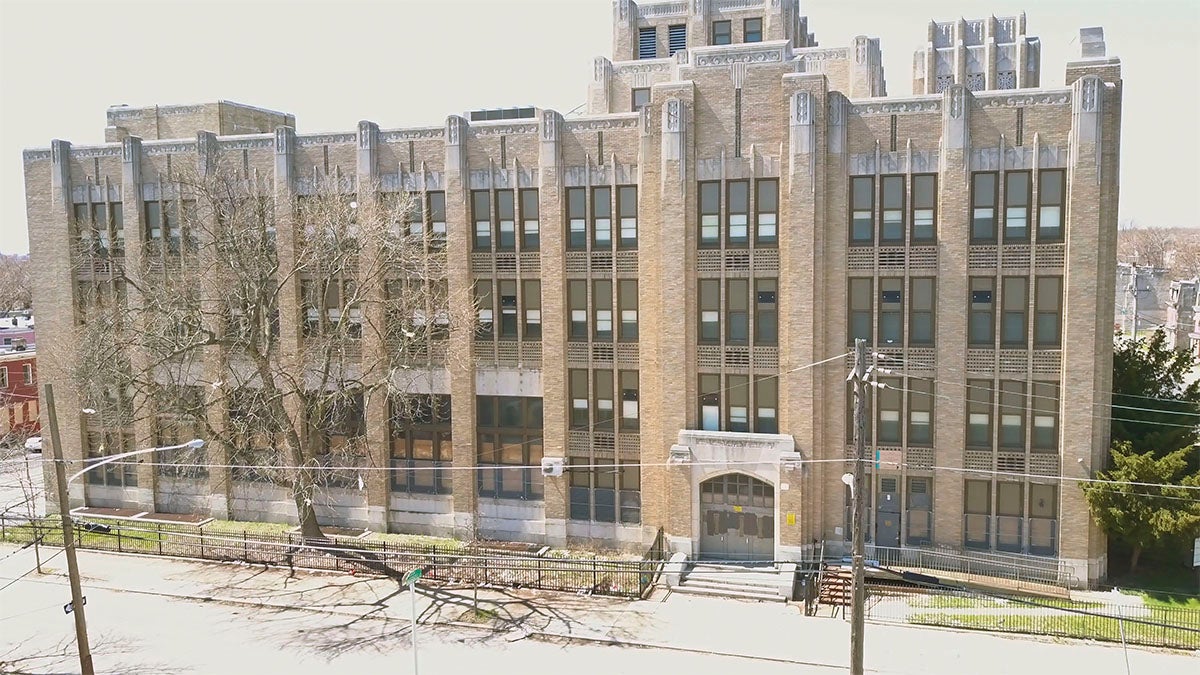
(19, 409)
(656, 277)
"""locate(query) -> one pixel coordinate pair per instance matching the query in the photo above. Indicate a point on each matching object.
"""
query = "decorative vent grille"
(981, 257)
(1013, 462)
(627, 262)
(981, 361)
(1044, 463)
(577, 262)
(919, 458)
(861, 258)
(891, 257)
(1015, 361)
(676, 38)
(1047, 361)
(922, 258)
(1015, 257)
(977, 460)
(647, 43)
(1051, 256)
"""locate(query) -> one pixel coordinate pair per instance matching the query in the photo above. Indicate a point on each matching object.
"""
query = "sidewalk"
(703, 625)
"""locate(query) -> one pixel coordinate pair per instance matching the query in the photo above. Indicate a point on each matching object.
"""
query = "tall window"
(889, 423)
(607, 492)
(508, 309)
(510, 438)
(647, 43)
(531, 292)
(766, 403)
(1047, 329)
(891, 311)
(710, 214)
(737, 320)
(627, 208)
(578, 304)
(924, 208)
(710, 310)
(767, 219)
(921, 320)
(482, 217)
(766, 312)
(722, 32)
(710, 402)
(893, 210)
(580, 400)
(860, 310)
(979, 414)
(576, 218)
(862, 210)
(111, 442)
(507, 220)
(437, 217)
(530, 225)
(421, 444)
(602, 386)
(1045, 416)
(1012, 414)
(983, 208)
(1050, 204)
(640, 99)
(737, 395)
(485, 328)
(920, 411)
(1013, 326)
(752, 30)
(676, 38)
(601, 217)
(602, 304)
(738, 213)
(627, 303)
(977, 508)
(1010, 509)
(1016, 206)
(981, 329)
(630, 414)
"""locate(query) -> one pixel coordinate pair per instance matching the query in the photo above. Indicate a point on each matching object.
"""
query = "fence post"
(595, 574)
(160, 538)
(202, 543)
(245, 547)
(539, 571)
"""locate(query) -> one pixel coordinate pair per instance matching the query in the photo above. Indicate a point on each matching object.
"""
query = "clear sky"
(403, 62)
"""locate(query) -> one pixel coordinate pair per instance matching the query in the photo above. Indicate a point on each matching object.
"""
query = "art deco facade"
(653, 277)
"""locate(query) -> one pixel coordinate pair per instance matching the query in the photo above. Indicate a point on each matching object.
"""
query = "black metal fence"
(468, 564)
(1133, 622)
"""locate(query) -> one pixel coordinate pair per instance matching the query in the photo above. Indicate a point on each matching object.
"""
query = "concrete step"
(735, 578)
(722, 591)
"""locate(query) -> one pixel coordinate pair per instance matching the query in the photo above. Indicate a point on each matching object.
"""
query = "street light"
(411, 580)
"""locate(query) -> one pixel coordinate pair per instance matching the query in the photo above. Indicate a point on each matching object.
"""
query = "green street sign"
(411, 577)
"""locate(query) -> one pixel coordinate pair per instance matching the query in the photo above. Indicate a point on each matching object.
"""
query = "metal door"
(887, 513)
(738, 519)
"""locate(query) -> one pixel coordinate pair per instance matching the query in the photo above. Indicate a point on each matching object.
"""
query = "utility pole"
(64, 510)
(858, 603)
(1132, 290)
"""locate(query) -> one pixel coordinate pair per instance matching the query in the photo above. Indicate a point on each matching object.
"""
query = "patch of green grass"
(1090, 627)
(479, 616)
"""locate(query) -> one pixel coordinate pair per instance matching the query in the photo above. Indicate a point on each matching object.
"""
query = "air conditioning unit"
(552, 466)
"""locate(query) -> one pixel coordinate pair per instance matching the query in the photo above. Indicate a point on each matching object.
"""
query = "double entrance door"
(737, 514)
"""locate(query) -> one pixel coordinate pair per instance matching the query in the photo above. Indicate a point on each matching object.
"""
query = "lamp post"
(411, 580)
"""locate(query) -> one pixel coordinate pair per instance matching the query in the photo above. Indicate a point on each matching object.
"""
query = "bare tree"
(1147, 246)
(254, 337)
(16, 285)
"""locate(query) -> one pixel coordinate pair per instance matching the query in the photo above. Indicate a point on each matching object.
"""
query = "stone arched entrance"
(737, 518)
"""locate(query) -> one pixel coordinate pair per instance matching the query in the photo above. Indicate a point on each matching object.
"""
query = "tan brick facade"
(737, 117)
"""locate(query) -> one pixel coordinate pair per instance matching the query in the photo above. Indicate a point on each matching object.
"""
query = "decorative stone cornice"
(509, 129)
(636, 67)
(168, 147)
(96, 151)
(725, 56)
(256, 142)
(896, 107)
(36, 154)
(394, 135)
(625, 121)
(992, 99)
(325, 139)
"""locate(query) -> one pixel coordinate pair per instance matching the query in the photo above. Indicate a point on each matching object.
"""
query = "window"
(507, 217)
(983, 208)
(738, 396)
(1012, 414)
(602, 304)
(1010, 507)
(862, 210)
(979, 414)
(767, 212)
(601, 217)
(577, 302)
(1013, 328)
(710, 310)
(752, 30)
(710, 402)
(891, 311)
(737, 213)
(415, 216)
(531, 292)
(920, 411)
(921, 322)
(508, 309)
(641, 99)
(602, 385)
(482, 216)
(3, 377)
(576, 218)
(627, 208)
(737, 320)
(710, 214)
(629, 400)
(889, 424)
(766, 312)
(977, 506)
(893, 210)
(860, 310)
(676, 38)
(1043, 514)
(1016, 206)
(437, 217)
(647, 43)
(1050, 204)
(510, 441)
(981, 324)
(1047, 328)
(722, 32)
(421, 444)
(924, 208)
(627, 303)
(606, 492)
(27, 373)
(580, 418)
(1045, 416)
(117, 474)
(920, 503)
(530, 228)
(766, 402)
(484, 305)
(153, 216)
